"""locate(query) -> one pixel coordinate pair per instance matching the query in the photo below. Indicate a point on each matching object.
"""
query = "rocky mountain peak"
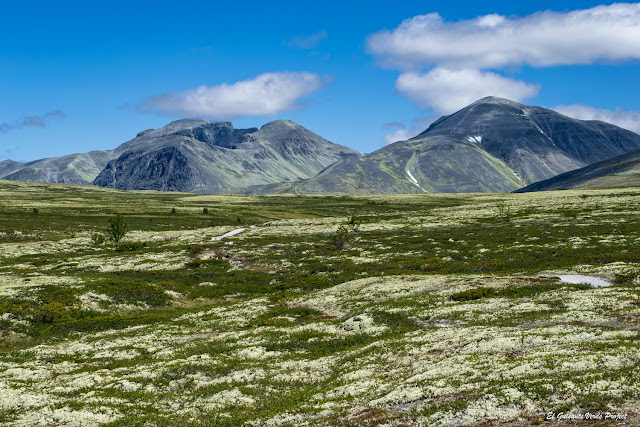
(286, 124)
(182, 125)
(496, 101)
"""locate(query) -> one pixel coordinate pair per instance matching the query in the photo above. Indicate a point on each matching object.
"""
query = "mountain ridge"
(492, 145)
(213, 157)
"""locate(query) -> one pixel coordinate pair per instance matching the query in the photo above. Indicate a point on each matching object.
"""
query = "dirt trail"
(230, 233)
(226, 255)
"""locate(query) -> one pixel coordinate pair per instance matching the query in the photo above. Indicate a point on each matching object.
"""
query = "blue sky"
(81, 76)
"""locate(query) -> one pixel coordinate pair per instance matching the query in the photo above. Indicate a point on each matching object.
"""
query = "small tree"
(117, 229)
(353, 223)
(205, 210)
(341, 238)
(504, 211)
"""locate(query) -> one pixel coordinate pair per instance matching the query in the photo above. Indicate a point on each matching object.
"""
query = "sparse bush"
(601, 258)
(353, 223)
(628, 278)
(504, 211)
(117, 229)
(36, 210)
(472, 294)
(567, 212)
(173, 211)
(341, 237)
(134, 292)
(196, 249)
(130, 246)
(53, 312)
(98, 239)
(196, 263)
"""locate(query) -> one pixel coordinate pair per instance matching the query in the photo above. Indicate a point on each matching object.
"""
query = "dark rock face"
(166, 169)
(493, 145)
(221, 134)
(535, 142)
(212, 157)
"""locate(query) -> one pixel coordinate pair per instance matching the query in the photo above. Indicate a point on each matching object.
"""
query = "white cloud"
(446, 91)
(625, 119)
(402, 133)
(398, 135)
(602, 33)
(32, 121)
(308, 42)
(267, 94)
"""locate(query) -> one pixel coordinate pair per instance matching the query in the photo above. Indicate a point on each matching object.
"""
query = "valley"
(436, 309)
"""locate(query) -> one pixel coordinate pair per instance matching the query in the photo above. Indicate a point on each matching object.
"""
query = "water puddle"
(577, 279)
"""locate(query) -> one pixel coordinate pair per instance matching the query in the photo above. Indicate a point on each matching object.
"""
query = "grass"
(432, 310)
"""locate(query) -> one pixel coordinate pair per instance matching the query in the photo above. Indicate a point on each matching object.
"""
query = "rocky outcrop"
(212, 157)
(493, 145)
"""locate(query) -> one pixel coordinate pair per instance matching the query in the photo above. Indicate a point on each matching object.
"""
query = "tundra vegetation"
(430, 309)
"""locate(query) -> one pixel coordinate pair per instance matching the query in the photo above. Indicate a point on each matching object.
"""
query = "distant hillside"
(212, 157)
(72, 169)
(619, 172)
(493, 145)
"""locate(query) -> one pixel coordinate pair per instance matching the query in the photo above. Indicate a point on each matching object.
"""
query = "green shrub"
(353, 223)
(628, 278)
(130, 246)
(117, 229)
(134, 292)
(503, 211)
(602, 258)
(98, 239)
(398, 322)
(196, 249)
(472, 294)
(341, 237)
(205, 210)
(53, 312)
(301, 314)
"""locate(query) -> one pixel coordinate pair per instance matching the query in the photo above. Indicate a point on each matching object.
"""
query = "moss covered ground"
(431, 309)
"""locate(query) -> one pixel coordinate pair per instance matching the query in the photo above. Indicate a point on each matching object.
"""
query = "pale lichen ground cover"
(500, 345)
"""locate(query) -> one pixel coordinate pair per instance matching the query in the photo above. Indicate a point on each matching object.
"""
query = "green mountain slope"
(79, 168)
(619, 172)
(212, 157)
(493, 145)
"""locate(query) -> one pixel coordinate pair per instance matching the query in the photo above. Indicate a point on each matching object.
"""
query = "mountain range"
(492, 145)
(188, 155)
(212, 157)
